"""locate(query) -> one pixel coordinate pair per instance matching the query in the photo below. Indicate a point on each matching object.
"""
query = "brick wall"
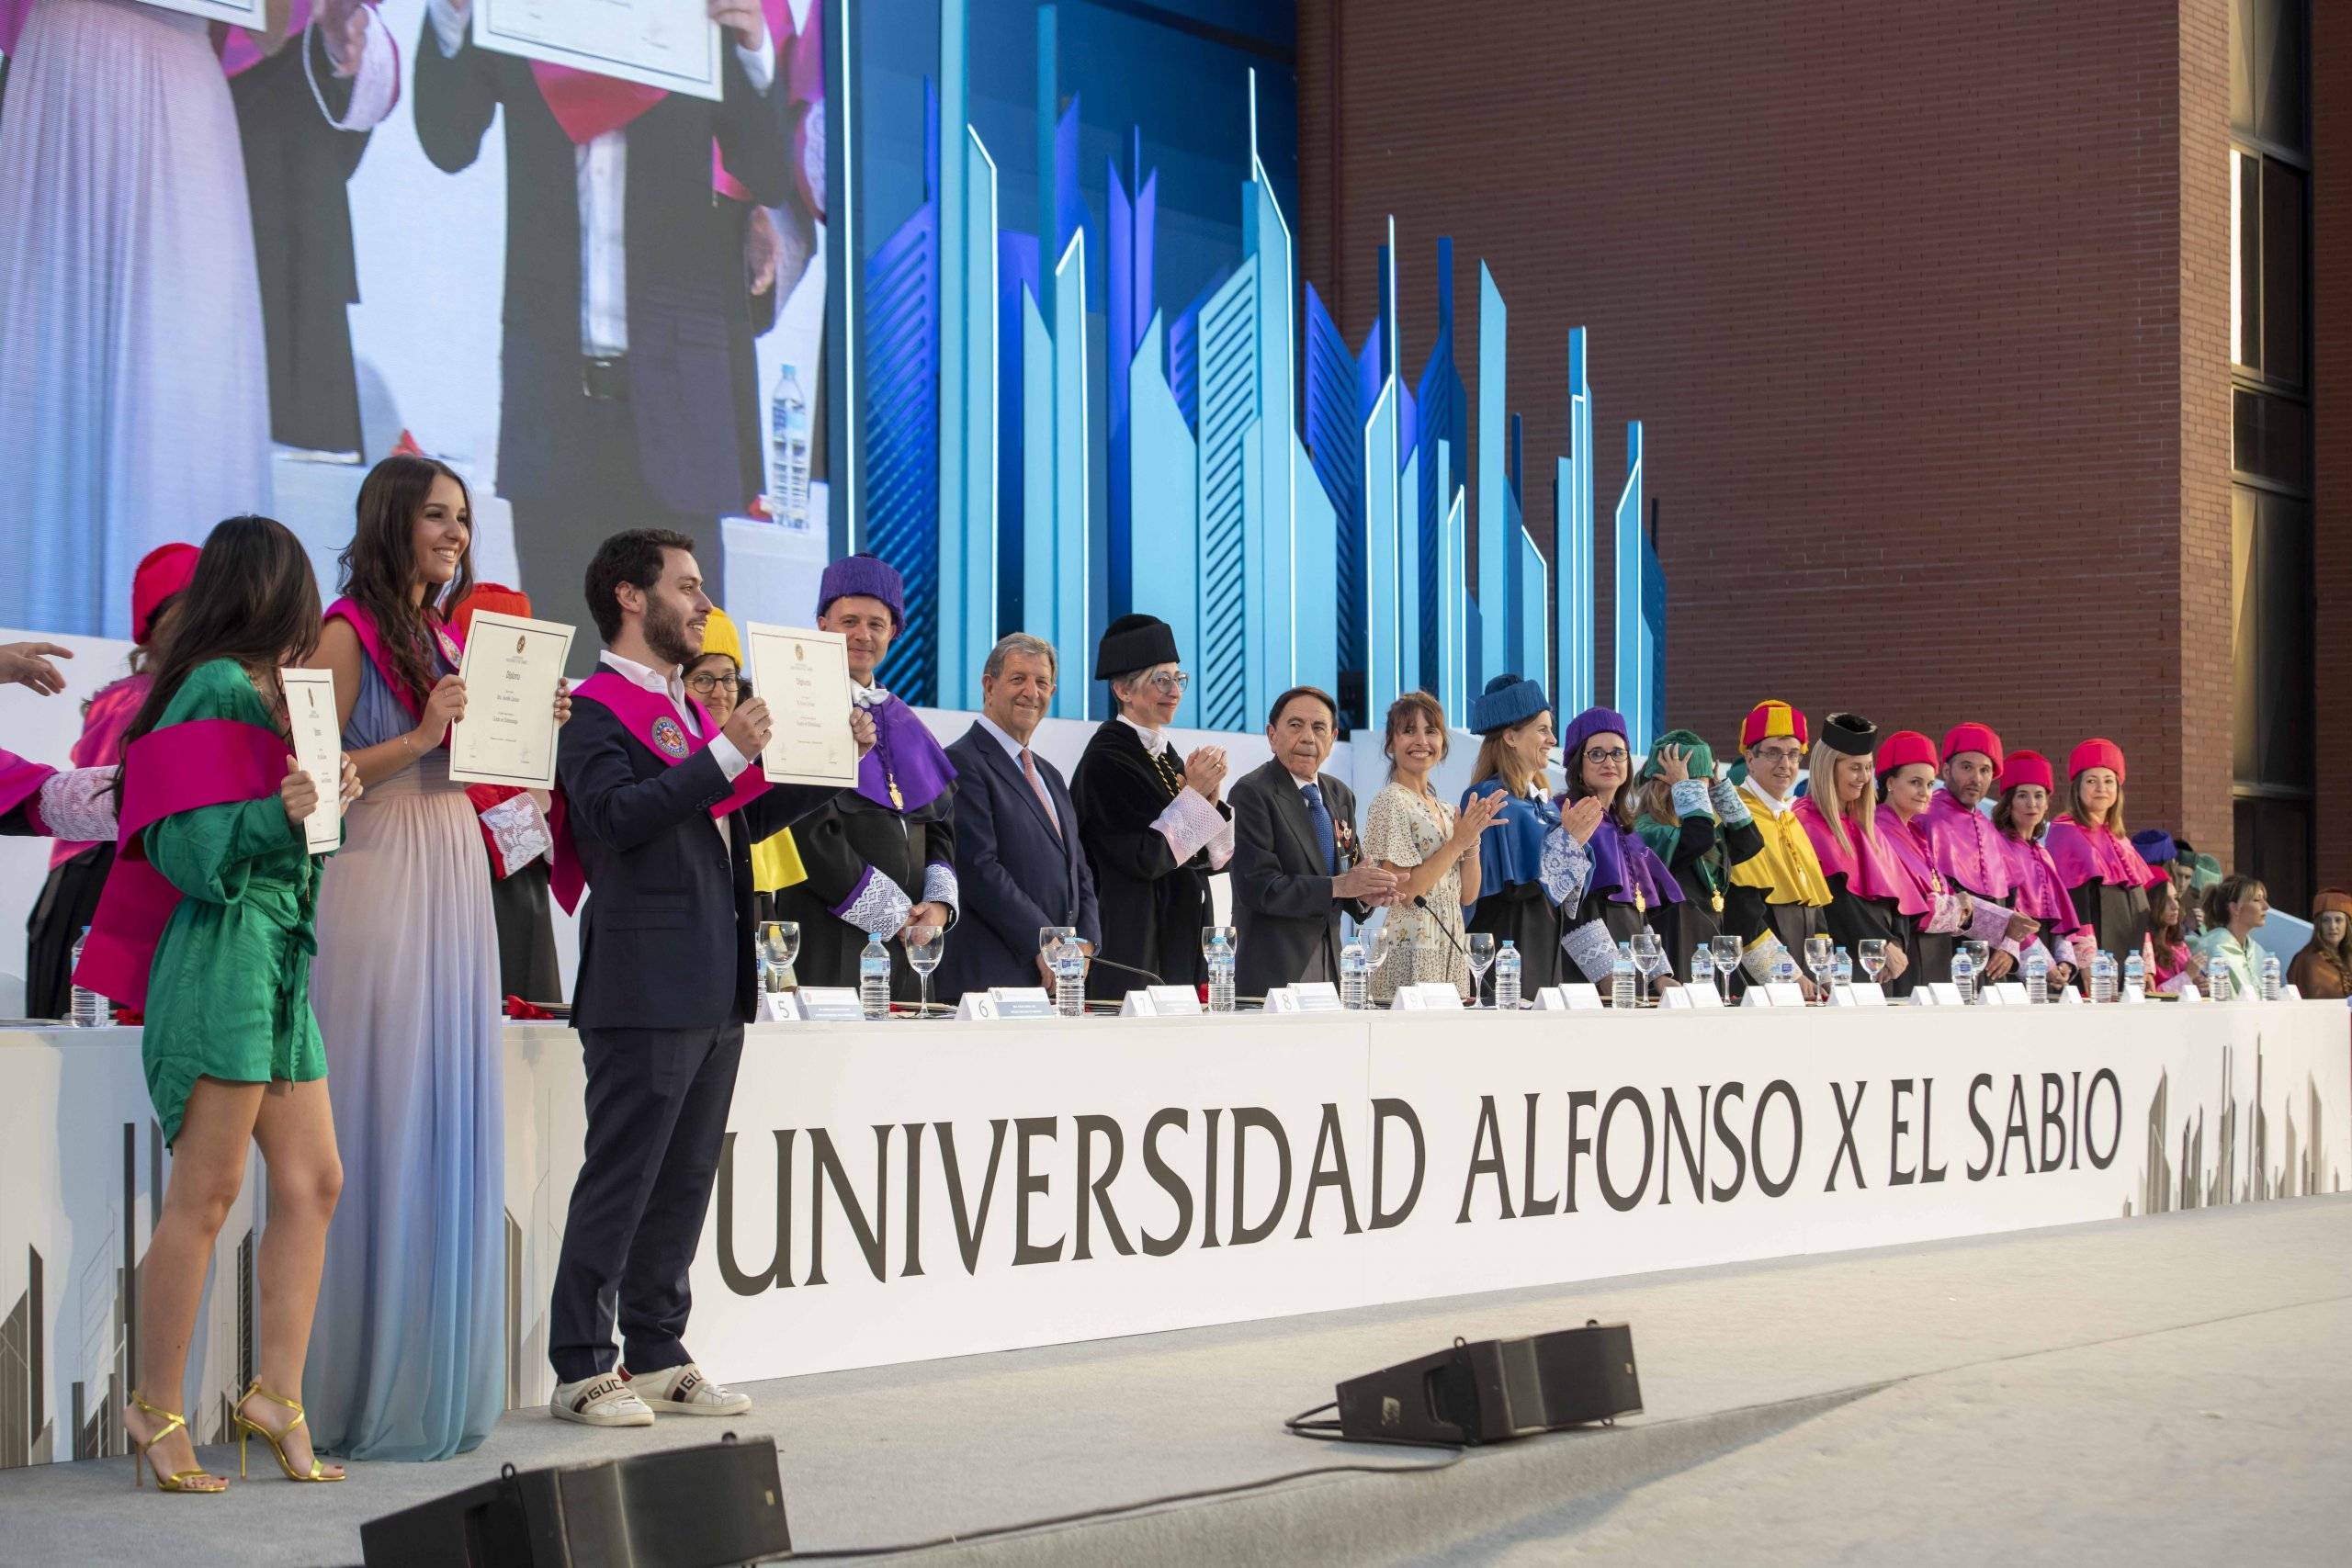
(2332, 417)
(1924, 309)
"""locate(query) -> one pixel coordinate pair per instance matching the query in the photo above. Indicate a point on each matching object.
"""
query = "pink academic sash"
(20, 781)
(372, 643)
(651, 720)
(184, 767)
(1869, 867)
(2094, 854)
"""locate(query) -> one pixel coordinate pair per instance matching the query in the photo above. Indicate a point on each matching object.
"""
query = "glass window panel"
(2284, 255)
(2245, 261)
(2279, 109)
(2283, 638)
(2245, 708)
(2273, 840)
(2244, 53)
(2270, 436)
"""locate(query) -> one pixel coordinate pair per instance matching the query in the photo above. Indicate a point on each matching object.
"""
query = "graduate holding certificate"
(410, 1344)
(207, 921)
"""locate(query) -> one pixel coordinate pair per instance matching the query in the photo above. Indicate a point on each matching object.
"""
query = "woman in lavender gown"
(407, 1358)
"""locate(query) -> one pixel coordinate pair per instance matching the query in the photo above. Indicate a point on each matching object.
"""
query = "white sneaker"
(687, 1390)
(605, 1399)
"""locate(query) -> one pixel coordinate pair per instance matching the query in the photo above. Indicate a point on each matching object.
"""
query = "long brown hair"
(2231, 890)
(379, 567)
(2170, 933)
(253, 599)
(2005, 816)
(1497, 761)
(2082, 818)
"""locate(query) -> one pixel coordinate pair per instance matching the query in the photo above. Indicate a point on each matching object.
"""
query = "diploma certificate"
(804, 679)
(318, 751)
(511, 668)
(253, 13)
(671, 44)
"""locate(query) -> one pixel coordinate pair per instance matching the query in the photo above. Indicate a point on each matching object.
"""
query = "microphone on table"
(1127, 969)
(1422, 902)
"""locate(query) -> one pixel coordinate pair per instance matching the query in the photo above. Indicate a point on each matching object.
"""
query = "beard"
(666, 632)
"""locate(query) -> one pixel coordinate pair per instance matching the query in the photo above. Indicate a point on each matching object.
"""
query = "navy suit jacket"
(1015, 873)
(665, 937)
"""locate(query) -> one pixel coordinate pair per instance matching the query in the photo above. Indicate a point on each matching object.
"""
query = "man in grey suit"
(1295, 862)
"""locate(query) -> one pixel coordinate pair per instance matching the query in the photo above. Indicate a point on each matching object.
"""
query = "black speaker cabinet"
(1489, 1391)
(708, 1506)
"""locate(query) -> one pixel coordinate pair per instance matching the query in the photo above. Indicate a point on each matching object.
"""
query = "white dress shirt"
(1013, 749)
(601, 171)
(731, 761)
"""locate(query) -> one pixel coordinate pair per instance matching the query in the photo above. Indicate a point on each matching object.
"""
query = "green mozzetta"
(230, 994)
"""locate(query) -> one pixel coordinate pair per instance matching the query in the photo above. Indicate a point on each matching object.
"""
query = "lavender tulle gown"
(408, 1357)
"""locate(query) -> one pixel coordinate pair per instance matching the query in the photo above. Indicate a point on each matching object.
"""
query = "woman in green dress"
(231, 1046)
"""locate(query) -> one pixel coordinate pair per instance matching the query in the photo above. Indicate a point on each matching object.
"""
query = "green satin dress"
(229, 997)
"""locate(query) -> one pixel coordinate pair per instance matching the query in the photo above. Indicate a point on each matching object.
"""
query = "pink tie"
(1029, 771)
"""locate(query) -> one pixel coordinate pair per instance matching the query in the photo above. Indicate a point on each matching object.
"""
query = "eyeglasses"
(1171, 681)
(709, 683)
(1604, 754)
(1778, 754)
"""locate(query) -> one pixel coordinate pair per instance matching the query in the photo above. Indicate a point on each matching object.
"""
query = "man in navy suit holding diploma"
(656, 811)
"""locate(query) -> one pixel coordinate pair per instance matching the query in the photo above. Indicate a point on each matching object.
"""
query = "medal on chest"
(897, 801)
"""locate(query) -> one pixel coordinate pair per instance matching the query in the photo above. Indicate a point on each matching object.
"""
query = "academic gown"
(1153, 907)
(2105, 899)
(1695, 848)
(1512, 902)
(845, 846)
(1749, 907)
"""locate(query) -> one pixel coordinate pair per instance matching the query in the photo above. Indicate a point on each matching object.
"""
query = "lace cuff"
(375, 85)
(519, 832)
(1192, 823)
(1991, 925)
(1944, 919)
(939, 887)
(1729, 807)
(78, 806)
(877, 904)
(1591, 948)
(1762, 954)
(1690, 797)
(1565, 870)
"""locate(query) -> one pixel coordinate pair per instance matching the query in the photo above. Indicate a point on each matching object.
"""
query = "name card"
(1864, 994)
(1021, 1001)
(2007, 993)
(2131, 994)
(1778, 993)
(1936, 994)
(1576, 996)
(815, 1004)
(1427, 996)
(1307, 996)
(2190, 993)
(2290, 993)
(1171, 1001)
(2070, 998)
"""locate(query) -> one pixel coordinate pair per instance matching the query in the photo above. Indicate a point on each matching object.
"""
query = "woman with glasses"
(1610, 885)
(1153, 819)
(715, 679)
(1514, 720)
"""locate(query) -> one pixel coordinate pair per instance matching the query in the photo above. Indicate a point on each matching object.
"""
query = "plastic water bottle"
(873, 976)
(2037, 976)
(1221, 977)
(1355, 978)
(89, 1008)
(1702, 965)
(2102, 976)
(1963, 973)
(1621, 977)
(788, 426)
(2217, 985)
(1507, 977)
(1841, 971)
(1069, 980)
(2135, 975)
(1784, 969)
(2269, 978)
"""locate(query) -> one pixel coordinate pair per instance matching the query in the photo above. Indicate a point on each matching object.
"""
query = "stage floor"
(2162, 1390)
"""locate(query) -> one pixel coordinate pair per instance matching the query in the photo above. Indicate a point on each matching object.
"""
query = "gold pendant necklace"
(897, 801)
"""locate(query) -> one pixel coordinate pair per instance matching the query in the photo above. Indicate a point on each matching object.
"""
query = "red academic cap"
(1973, 738)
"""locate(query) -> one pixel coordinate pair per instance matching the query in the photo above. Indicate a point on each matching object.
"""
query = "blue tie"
(1324, 834)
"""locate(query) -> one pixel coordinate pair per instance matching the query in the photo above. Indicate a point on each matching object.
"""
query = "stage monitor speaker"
(706, 1507)
(1489, 1391)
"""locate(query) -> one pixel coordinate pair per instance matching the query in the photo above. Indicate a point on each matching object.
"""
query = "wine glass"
(1978, 954)
(779, 945)
(1726, 948)
(1048, 936)
(1379, 943)
(1482, 958)
(924, 949)
(1820, 952)
(1873, 953)
(1649, 957)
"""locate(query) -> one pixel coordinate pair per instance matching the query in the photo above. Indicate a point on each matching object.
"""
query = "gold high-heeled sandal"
(276, 1440)
(179, 1480)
